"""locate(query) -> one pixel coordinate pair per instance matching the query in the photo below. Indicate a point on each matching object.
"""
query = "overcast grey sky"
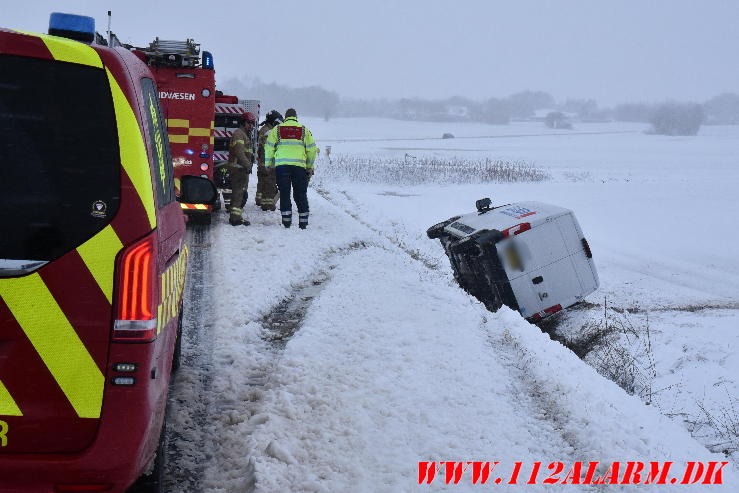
(610, 50)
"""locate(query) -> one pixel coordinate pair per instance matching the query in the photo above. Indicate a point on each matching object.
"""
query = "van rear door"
(555, 268)
(60, 188)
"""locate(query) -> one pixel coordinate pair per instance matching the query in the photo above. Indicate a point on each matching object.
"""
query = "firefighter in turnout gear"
(240, 160)
(267, 184)
(291, 150)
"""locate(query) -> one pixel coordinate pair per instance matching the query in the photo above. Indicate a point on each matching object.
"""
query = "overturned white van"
(529, 256)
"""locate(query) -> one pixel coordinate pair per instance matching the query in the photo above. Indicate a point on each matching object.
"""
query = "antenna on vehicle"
(110, 34)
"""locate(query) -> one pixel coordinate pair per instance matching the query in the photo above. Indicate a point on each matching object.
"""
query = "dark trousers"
(296, 178)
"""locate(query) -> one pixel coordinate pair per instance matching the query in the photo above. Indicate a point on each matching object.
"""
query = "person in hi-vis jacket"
(291, 150)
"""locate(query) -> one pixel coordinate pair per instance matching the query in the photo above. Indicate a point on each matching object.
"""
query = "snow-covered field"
(382, 361)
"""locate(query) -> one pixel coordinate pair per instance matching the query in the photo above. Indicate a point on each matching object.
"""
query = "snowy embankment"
(657, 212)
(392, 364)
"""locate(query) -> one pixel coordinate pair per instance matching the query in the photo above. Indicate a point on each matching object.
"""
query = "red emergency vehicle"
(200, 119)
(92, 263)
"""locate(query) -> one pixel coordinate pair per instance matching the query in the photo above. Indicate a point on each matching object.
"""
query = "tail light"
(138, 293)
(586, 247)
(517, 229)
(536, 317)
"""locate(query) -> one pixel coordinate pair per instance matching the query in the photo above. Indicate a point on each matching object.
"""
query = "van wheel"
(154, 482)
(177, 353)
(437, 230)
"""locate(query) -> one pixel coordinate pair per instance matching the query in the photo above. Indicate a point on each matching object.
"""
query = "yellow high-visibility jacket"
(290, 143)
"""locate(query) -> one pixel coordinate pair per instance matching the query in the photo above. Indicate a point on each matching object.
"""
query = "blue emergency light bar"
(77, 27)
(208, 60)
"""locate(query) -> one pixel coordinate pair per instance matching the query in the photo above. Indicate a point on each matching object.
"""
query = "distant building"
(458, 111)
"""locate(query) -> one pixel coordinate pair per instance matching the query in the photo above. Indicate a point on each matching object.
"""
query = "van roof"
(504, 217)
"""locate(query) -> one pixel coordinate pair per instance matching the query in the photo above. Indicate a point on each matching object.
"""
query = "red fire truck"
(200, 119)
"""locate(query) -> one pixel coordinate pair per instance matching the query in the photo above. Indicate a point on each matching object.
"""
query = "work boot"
(238, 221)
(303, 220)
(287, 218)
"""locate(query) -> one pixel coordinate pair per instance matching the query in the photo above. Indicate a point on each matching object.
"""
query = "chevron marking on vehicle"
(102, 265)
(56, 342)
(133, 154)
(8, 407)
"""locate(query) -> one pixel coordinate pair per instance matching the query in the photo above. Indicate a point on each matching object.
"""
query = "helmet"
(249, 118)
(273, 117)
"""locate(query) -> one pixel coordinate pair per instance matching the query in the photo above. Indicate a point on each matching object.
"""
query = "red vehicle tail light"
(138, 291)
(536, 317)
(517, 229)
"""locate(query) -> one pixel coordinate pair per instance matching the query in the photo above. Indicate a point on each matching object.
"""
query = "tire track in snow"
(264, 340)
(429, 263)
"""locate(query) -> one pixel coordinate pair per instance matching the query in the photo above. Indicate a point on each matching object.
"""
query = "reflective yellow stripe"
(172, 282)
(56, 342)
(99, 253)
(178, 139)
(66, 50)
(8, 407)
(178, 123)
(133, 152)
(199, 132)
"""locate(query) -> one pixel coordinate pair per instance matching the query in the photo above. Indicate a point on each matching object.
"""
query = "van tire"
(177, 353)
(154, 482)
(437, 230)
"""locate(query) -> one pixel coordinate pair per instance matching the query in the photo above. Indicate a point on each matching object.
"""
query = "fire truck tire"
(217, 204)
(204, 219)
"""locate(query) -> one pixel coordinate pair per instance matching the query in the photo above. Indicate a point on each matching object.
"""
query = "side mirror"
(197, 190)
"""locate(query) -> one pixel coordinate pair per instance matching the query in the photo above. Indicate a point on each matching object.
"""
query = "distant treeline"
(666, 117)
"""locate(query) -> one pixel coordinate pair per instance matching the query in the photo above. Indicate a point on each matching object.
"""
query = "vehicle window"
(59, 159)
(159, 143)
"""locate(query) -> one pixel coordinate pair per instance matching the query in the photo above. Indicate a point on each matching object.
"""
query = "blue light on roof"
(208, 60)
(78, 27)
